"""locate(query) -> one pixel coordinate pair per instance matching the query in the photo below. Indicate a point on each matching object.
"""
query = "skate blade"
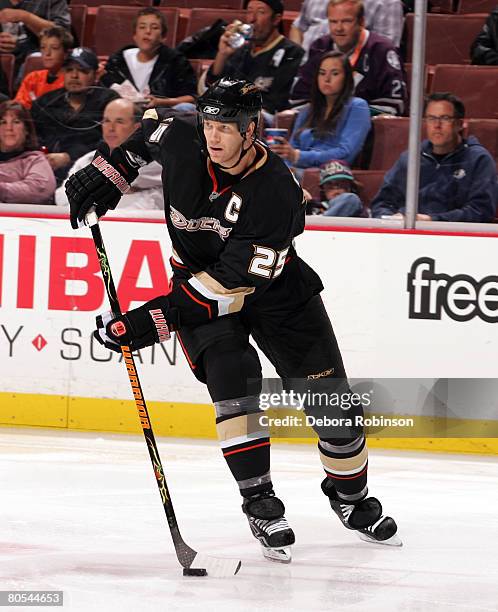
(277, 555)
(394, 540)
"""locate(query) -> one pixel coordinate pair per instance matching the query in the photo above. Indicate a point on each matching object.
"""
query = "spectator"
(384, 17)
(23, 20)
(268, 59)
(55, 45)
(457, 175)
(379, 75)
(149, 69)
(68, 120)
(484, 50)
(340, 192)
(121, 119)
(334, 125)
(25, 174)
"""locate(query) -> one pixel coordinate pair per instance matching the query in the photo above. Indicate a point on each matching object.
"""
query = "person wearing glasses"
(457, 175)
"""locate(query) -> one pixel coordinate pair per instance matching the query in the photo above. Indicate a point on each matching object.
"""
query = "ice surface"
(81, 513)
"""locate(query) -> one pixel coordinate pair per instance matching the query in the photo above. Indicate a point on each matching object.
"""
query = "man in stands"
(457, 175)
(121, 119)
(384, 17)
(484, 50)
(379, 74)
(68, 120)
(268, 59)
(149, 69)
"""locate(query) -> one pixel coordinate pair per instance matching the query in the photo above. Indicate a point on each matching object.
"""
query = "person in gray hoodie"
(457, 175)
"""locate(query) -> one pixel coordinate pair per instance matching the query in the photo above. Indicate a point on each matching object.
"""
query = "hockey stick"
(204, 564)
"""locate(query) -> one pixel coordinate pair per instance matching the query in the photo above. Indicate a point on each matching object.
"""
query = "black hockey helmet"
(231, 101)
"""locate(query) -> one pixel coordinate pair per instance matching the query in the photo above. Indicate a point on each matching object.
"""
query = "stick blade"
(216, 566)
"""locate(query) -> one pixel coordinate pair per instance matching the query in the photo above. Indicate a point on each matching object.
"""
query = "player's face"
(118, 123)
(12, 132)
(443, 128)
(224, 142)
(344, 25)
(77, 79)
(52, 53)
(148, 34)
(331, 77)
(262, 19)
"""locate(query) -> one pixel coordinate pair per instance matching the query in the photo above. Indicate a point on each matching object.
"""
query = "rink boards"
(404, 306)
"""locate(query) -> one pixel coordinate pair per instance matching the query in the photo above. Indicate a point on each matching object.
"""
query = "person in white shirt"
(121, 119)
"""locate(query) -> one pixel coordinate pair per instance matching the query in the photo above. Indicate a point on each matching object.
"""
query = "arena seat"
(113, 27)
(32, 63)
(7, 61)
(78, 22)
(214, 4)
(475, 85)
(466, 7)
(441, 6)
(448, 37)
(389, 140)
(200, 18)
(285, 119)
(370, 183)
(486, 131)
(136, 4)
(311, 182)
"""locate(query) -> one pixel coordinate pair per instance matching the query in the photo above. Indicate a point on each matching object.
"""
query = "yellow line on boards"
(188, 420)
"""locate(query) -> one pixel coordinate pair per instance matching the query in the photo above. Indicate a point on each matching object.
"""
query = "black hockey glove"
(138, 328)
(99, 184)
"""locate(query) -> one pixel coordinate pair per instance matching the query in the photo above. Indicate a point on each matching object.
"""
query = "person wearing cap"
(340, 190)
(68, 119)
(268, 59)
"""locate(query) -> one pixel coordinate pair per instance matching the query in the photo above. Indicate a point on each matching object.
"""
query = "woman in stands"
(334, 125)
(55, 44)
(25, 174)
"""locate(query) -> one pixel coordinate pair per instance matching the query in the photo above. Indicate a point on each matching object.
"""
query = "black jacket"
(62, 130)
(272, 69)
(484, 49)
(172, 75)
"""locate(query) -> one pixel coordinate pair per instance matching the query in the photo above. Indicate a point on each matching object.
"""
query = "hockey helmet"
(231, 101)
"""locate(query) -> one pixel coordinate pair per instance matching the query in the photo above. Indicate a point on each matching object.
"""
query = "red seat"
(370, 182)
(477, 86)
(215, 4)
(78, 22)
(466, 7)
(7, 61)
(113, 27)
(390, 139)
(311, 182)
(448, 37)
(200, 65)
(286, 119)
(200, 18)
(486, 131)
(441, 6)
(136, 4)
(32, 63)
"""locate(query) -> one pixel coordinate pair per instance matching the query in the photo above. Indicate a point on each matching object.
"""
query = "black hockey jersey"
(233, 246)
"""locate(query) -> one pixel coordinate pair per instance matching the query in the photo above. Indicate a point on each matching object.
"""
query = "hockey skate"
(265, 514)
(365, 517)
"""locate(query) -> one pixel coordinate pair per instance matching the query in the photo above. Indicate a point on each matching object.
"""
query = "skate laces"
(271, 526)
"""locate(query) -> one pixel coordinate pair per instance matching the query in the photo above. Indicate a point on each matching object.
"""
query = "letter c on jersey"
(233, 208)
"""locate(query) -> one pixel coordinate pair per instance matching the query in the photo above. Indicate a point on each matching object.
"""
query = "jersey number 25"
(267, 262)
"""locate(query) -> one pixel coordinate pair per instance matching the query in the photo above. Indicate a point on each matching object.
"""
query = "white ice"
(81, 513)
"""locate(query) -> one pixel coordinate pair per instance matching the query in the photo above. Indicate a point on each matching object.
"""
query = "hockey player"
(233, 209)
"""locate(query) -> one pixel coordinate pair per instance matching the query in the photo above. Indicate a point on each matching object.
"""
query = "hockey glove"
(99, 184)
(138, 328)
